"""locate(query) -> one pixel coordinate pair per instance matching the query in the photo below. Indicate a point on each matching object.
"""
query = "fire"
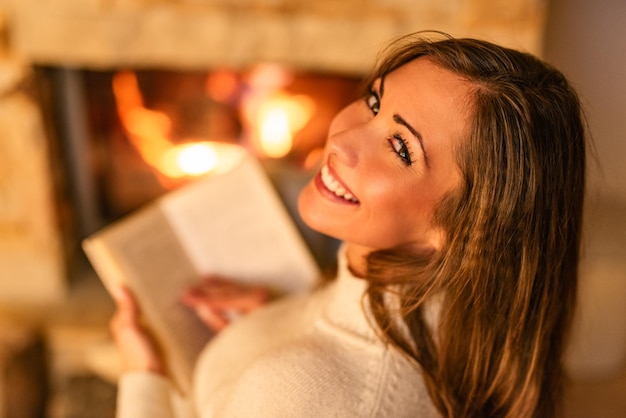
(278, 119)
(189, 160)
(274, 116)
(149, 132)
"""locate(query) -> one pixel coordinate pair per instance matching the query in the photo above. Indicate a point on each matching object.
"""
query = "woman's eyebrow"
(399, 119)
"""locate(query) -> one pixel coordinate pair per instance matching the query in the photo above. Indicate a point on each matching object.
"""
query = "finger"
(243, 301)
(233, 297)
(217, 289)
(127, 313)
(220, 284)
(214, 320)
(124, 300)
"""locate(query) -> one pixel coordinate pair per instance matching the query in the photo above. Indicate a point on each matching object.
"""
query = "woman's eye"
(373, 102)
(400, 148)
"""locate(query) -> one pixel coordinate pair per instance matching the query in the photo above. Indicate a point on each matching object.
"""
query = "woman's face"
(389, 159)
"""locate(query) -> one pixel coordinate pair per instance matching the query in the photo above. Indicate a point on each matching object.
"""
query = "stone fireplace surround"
(320, 35)
(36, 238)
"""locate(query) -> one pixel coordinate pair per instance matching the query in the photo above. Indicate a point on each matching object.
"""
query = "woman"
(456, 184)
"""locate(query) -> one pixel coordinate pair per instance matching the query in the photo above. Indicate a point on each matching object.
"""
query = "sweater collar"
(348, 307)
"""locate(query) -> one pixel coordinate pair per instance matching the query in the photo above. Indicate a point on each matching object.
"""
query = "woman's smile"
(327, 183)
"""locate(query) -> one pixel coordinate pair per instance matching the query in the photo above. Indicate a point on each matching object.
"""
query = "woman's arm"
(143, 391)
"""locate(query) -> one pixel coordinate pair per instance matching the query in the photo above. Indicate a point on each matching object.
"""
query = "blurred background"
(107, 104)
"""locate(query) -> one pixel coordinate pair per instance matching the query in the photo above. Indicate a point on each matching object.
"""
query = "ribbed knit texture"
(306, 356)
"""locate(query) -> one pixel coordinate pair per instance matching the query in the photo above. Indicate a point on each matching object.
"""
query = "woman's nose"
(345, 140)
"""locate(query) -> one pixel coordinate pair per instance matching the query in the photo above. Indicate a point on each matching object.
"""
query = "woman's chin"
(311, 213)
(304, 207)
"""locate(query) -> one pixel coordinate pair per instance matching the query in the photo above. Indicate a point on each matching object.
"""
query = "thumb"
(126, 304)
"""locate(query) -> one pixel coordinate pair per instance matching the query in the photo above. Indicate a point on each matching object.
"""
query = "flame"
(149, 132)
(189, 160)
(278, 119)
(272, 115)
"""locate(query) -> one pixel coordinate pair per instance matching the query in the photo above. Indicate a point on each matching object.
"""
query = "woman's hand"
(217, 301)
(135, 345)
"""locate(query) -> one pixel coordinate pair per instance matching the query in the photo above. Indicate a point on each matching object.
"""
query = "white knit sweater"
(307, 356)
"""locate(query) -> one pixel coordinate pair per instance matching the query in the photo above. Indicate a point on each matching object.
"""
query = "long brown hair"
(507, 274)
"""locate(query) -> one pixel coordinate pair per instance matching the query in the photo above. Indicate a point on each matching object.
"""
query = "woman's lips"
(328, 183)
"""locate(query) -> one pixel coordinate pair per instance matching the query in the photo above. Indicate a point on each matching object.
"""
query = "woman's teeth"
(333, 185)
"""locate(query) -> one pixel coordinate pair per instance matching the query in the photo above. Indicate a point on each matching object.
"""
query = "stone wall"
(31, 256)
(323, 34)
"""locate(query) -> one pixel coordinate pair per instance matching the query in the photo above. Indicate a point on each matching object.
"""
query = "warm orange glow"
(222, 85)
(313, 159)
(278, 119)
(189, 160)
(149, 132)
(272, 115)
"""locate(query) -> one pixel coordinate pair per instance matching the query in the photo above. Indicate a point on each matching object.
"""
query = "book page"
(235, 225)
(154, 266)
(230, 224)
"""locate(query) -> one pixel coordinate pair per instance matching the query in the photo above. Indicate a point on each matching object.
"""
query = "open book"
(230, 223)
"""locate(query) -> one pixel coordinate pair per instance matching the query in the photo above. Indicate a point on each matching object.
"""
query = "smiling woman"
(456, 183)
(375, 151)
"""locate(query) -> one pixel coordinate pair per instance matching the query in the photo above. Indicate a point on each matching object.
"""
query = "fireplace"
(163, 141)
(130, 135)
(78, 42)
